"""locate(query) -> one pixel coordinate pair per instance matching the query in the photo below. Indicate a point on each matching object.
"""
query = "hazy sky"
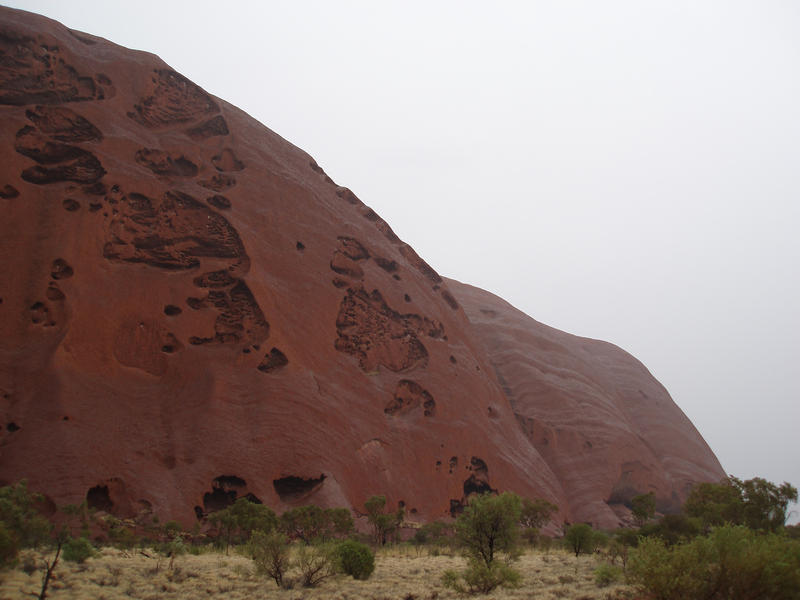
(627, 171)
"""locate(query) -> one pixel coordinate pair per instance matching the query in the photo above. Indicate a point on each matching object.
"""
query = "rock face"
(606, 428)
(191, 310)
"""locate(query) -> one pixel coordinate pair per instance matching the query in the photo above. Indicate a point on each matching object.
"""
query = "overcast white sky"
(627, 171)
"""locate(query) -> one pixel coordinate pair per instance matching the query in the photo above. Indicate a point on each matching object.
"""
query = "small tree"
(535, 513)
(643, 508)
(579, 538)
(757, 503)
(383, 523)
(240, 519)
(488, 527)
(270, 553)
(340, 522)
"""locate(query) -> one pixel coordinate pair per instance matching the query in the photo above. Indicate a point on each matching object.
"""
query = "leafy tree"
(535, 513)
(580, 538)
(340, 522)
(270, 552)
(765, 503)
(643, 508)
(488, 525)
(757, 503)
(488, 528)
(240, 519)
(383, 523)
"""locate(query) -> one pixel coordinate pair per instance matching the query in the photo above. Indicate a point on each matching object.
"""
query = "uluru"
(192, 310)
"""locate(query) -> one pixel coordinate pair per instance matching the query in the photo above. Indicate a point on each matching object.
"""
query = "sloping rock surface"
(191, 310)
(603, 424)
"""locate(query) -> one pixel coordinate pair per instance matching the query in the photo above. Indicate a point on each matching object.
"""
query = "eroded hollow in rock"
(474, 485)
(292, 487)
(98, 498)
(223, 492)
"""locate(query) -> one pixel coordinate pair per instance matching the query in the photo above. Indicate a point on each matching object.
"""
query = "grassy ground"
(401, 573)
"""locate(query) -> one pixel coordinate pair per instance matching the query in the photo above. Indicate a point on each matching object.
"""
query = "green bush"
(356, 559)
(9, 547)
(606, 574)
(20, 516)
(77, 550)
(312, 523)
(732, 563)
(480, 578)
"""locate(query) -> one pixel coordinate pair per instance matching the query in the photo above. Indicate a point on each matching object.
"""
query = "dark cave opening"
(291, 487)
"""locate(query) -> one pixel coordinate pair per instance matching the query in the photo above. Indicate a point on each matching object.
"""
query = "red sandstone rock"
(192, 310)
(603, 424)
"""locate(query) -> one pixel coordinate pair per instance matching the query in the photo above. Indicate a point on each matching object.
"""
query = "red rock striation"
(192, 311)
(604, 425)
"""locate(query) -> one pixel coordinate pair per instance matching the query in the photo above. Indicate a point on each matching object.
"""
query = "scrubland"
(401, 573)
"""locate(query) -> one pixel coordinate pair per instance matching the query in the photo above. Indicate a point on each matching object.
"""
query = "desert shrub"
(606, 574)
(316, 563)
(600, 540)
(171, 529)
(355, 559)
(121, 537)
(310, 523)
(618, 550)
(480, 578)
(172, 548)
(732, 563)
(579, 538)
(20, 516)
(270, 553)
(438, 535)
(9, 548)
(643, 508)
(77, 550)
(673, 529)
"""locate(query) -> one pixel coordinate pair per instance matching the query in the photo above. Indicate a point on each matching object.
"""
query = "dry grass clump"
(401, 573)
